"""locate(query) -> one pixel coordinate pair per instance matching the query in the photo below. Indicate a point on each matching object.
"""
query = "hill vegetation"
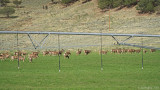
(4, 2)
(7, 11)
(144, 6)
(17, 3)
(80, 16)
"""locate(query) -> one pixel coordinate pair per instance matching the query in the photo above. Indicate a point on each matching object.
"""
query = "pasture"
(120, 72)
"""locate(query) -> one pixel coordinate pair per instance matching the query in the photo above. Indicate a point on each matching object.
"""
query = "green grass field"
(121, 72)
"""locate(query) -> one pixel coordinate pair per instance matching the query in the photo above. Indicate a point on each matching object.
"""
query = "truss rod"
(115, 39)
(44, 40)
(38, 44)
(32, 42)
(147, 47)
(126, 39)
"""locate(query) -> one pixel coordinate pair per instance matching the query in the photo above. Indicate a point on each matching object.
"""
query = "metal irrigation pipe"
(77, 33)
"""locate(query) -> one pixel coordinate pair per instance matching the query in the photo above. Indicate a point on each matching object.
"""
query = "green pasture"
(120, 72)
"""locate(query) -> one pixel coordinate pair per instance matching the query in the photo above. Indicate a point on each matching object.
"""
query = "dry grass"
(79, 18)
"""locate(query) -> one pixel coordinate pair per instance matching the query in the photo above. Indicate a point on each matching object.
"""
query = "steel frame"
(40, 44)
(113, 35)
(77, 33)
(123, 42)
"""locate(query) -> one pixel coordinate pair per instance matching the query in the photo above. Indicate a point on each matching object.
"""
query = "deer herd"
(21, 56)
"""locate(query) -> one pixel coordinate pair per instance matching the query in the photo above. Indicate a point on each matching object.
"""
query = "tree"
(150, 7)
(4, 2)
(17, 2)
(7, 11)
(67, 2)
(158, 10)
(52, 1)
(146, 6)
(129, 3)
(102, 4)
(156, 3)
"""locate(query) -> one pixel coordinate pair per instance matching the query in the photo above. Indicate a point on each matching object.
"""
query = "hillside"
(79, 18)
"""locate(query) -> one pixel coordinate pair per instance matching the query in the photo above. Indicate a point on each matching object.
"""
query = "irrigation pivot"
(113, 35)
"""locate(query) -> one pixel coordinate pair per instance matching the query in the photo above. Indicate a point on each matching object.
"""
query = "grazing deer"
(61, 51)
(2, 57)
(35, 53)
(78, 52)
(30, 59)
(87, 52)
(31, 56)
(153, 50)
(131, 50)
(68, 52)
(23, 53)
(21, 58)
(119, 51)
(18, 53)
(114, 51)
(138, 50)
(14, 57)
(53, 52)
(145, 51)
(66, 55)
(103, 52)
(45, 53)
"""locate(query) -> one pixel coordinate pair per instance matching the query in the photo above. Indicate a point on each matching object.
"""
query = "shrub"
(129, 3)
(52, 1)
(7, 11)
(17, 2)
(102, 4)
(67, 1)
(147, 6)
(4, 2)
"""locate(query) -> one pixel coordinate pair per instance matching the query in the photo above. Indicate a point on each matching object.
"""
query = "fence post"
(59, 54)
(18, 49)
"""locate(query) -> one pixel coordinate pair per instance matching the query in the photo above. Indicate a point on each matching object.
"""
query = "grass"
(121, 72)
